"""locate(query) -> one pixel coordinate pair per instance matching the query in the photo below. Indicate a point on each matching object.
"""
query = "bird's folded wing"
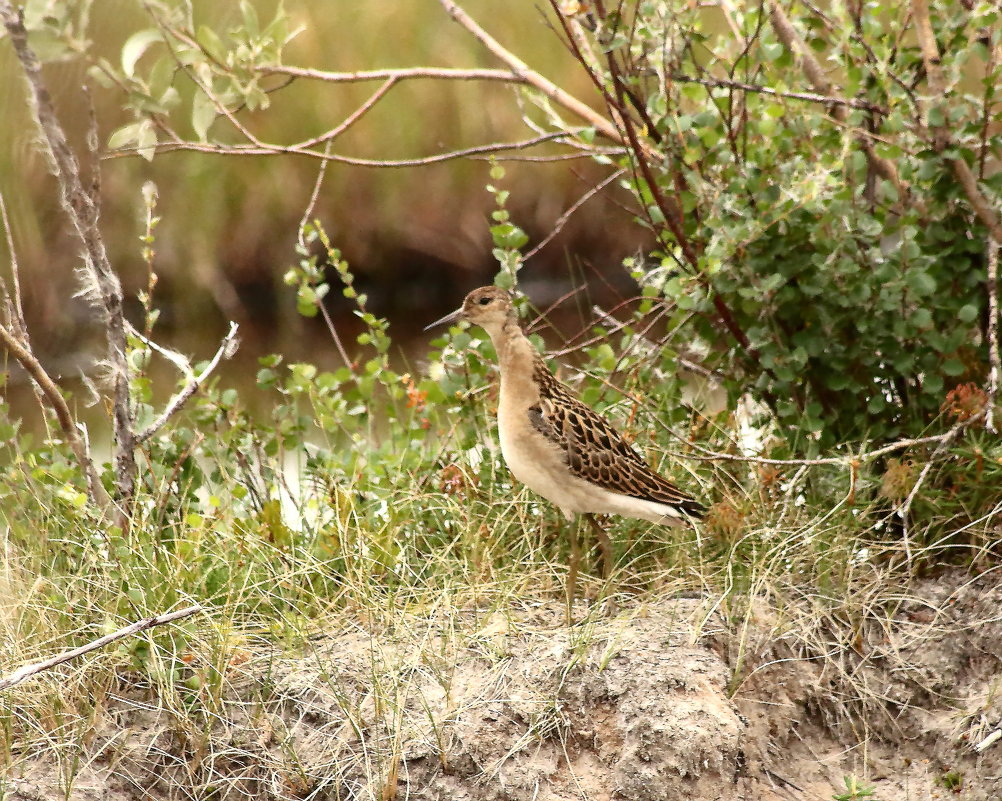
(597, 453)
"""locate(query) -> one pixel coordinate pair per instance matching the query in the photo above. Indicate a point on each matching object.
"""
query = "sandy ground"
(664, 701)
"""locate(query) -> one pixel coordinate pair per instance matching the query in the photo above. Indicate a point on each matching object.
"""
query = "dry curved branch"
(226, 349)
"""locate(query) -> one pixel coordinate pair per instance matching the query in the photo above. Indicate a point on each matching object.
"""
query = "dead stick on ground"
(141, 625)
(989, 741)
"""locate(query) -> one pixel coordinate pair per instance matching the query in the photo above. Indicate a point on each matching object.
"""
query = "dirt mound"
(526, 710)
(902, 694)
(665, 701)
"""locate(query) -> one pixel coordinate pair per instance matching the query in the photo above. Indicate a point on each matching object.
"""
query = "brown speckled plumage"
(595, 451)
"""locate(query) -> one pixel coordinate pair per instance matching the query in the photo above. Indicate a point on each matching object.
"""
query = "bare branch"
(226, 349)
(84, 216)
(828, 100)
(352, 118)
(322, 155)
(860, 458)
(435, 73)
(307, 213)
(530, 76)
(13, 313)
(27, 671)
(563, 218)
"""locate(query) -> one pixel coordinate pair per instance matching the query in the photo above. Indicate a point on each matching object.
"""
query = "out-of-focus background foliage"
(417, 238)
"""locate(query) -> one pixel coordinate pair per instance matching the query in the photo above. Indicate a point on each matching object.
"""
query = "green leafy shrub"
(847, 299)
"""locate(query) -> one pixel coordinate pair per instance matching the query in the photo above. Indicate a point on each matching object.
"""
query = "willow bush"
(798, 170)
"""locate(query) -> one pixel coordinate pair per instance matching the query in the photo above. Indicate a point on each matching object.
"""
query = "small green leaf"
(953, 367)
(921, 318)
(251, 24)
(920, 282)
(124, 136)
(967, 313)
(211, 43)
(508, 236)
(135, 46)
(203, 114)
(146, 140)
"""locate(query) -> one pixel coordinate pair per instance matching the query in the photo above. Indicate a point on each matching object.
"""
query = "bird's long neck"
(517, 359)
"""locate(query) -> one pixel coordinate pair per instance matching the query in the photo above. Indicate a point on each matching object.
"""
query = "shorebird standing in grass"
(559, 447)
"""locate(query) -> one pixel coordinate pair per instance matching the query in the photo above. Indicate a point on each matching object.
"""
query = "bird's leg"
(572, 569)
(604, 546)
(605, 549)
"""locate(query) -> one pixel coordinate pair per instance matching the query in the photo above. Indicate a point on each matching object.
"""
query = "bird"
(558, 446)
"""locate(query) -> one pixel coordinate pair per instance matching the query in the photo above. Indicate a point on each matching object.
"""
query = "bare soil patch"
(663, 701)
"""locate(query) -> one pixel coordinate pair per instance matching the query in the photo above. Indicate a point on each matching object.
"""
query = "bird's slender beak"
(451, 317)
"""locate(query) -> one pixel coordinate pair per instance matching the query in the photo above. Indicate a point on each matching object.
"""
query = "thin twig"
(275, 150)
(810, 97)
(352, 118)
(226, 349)
(307, 213)
(27, 671)
(563, 218)
(11, 309)
(402, 74)
(847, 460)
(945, 440)
(992, 334)
(14, 312)
(64, 417)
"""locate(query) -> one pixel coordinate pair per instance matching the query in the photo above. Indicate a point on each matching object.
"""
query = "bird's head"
(489, 307)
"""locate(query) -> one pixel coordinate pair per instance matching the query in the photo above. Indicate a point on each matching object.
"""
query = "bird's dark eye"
(484, 300)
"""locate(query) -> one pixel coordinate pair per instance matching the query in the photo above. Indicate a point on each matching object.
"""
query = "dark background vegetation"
(417, 238)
